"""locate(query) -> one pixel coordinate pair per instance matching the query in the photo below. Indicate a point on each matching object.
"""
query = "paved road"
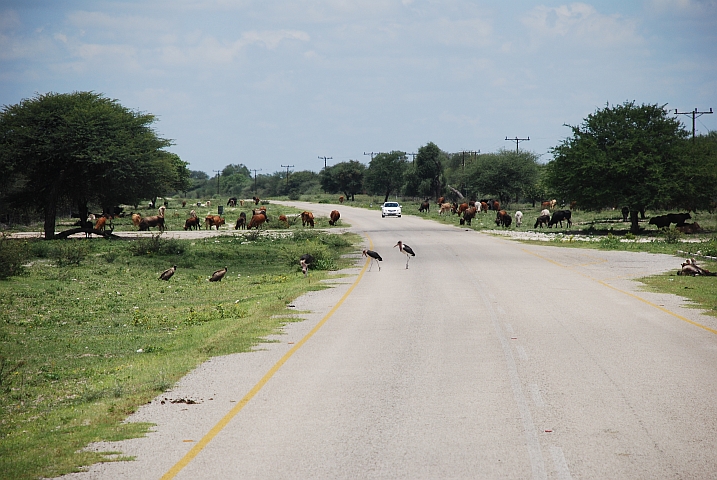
(485, 358)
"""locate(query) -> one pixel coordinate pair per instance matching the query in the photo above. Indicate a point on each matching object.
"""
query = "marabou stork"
(405, 249)
(373, 255)
(218, 275)
(167, 274)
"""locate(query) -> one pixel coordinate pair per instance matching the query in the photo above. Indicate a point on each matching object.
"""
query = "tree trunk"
(388, 192)
(51, 207)
(634, 222)
(82, 208)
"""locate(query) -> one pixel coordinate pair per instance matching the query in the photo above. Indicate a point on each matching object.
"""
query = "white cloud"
(580, 22)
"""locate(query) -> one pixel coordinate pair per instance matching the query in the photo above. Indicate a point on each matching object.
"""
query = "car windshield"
(390, 204)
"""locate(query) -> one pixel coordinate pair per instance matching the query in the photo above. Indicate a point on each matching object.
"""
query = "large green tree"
(344, 177)
(424, 175)
(385, 173)
(506, 174)
(628, 155)
(82, 147)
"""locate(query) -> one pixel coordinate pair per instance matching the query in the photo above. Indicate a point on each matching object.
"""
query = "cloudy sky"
(271, 83)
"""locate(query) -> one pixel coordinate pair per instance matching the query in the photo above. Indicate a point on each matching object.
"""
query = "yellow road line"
(184, 461)
(684, 319)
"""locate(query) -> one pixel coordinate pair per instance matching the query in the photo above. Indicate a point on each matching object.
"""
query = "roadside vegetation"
(88, 333)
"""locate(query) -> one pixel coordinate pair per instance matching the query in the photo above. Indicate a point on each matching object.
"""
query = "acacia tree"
(385, 173)
(423, 177)
(83, 147)
(506, 174)
(344, 177)
(625, 155)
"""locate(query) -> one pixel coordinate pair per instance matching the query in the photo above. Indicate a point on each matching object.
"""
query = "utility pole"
(413, 155)
(694, 114)
(217, 172)
(287, 174)
(373, 154)
(255, 170)
(325, 158)
(517, 141)
(464, 156)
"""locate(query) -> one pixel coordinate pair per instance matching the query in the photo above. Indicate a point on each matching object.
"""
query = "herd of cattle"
(466, 212)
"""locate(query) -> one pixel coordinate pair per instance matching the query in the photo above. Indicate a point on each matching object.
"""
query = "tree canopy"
(424, 176)
(506, 174)
(632, 155)
(385, 173)
(83, 147)
(344, 177)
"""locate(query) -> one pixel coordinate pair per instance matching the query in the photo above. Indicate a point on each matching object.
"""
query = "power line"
(287, 173)
(464, 156)
(373, 154)
(694, 114)
(217, 172)
(517, 141)
(325, 158)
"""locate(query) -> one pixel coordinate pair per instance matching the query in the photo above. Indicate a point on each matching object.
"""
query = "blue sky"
(271, 83)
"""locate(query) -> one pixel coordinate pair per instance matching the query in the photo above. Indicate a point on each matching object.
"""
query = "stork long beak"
(399, 243)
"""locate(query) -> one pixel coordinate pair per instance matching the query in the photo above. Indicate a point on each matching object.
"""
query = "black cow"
(559, 216)
(542, 220)
(678, 218)
(425, 206)
(660, 221)
(625, 213)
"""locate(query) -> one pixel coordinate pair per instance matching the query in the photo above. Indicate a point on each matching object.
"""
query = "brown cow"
(334, 217)
(136, 218)
(192, 223)
(241, 222)
(213, 221)
(100, 225)
(545, 204)
(148, 222)
(425, 206)
(257, 220)
(462, 208)
(441, 200)
(484, 207)
(496, 205)
(284, 220)
(468, 215)
(307, 218)
(341, 199)
(503, 219)
(256, 200)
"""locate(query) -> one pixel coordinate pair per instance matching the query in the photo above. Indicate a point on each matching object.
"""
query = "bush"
(156, 245)
(611, 242)
(69, 252)
(13, 254)
(672, 235)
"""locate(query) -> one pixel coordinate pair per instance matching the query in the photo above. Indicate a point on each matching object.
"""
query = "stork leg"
(370, 264)
(408, 257)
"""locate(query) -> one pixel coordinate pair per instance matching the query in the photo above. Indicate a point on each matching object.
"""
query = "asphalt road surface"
(486, 358)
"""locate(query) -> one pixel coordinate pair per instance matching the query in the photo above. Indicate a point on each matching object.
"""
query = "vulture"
(218, 275)
(167, 274)
(305, 260)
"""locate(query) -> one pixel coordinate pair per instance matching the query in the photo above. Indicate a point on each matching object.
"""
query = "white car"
(391, 209)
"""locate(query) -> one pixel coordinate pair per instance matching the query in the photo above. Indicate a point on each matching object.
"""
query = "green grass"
(701, 291)
(82, 345)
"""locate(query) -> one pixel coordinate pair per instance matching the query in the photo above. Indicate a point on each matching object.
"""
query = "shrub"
(610, 242)
(672, 235)
(13, 254)
(156, 245)
(69, 252)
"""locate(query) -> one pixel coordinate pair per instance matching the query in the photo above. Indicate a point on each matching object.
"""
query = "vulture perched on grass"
(218, 275)
(167, 274)
(305, 260)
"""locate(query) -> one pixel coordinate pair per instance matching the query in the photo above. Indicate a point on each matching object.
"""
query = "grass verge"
(88, 333)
